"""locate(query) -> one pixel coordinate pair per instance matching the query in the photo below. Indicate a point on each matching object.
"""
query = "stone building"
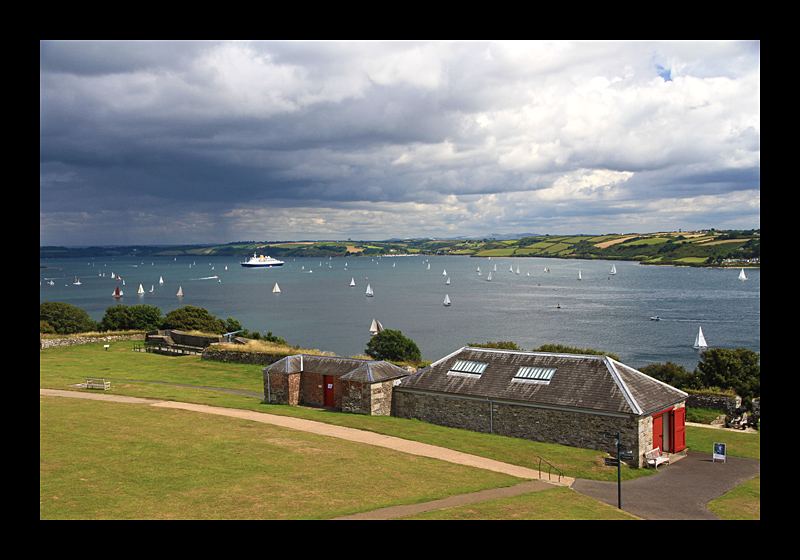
(346, 384)
(557, 398)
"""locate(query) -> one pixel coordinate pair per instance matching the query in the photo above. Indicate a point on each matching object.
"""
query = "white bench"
(94, 383)
(656, 457)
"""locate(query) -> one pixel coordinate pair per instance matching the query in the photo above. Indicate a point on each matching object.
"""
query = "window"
(467, 368)
(532, 373)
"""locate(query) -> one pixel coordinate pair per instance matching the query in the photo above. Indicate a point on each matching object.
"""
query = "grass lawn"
(560, 503)
(120, 478)
(100, 460)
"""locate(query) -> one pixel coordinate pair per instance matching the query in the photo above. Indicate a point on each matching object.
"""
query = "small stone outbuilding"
(346, 384)
(568, 399)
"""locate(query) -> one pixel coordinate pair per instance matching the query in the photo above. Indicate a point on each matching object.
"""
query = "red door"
(658, 432)
(679, 430)
(328, 380)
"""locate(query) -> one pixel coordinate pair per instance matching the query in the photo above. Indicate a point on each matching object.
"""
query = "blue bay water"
(317, 309)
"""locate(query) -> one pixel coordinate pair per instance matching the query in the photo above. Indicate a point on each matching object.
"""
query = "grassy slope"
(60, 466)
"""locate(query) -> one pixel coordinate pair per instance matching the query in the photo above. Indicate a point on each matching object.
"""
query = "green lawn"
(114, 467)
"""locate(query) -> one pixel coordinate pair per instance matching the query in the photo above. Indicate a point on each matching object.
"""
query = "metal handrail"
(560, 474)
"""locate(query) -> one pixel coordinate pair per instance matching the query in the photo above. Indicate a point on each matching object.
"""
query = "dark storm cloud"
(193, 139)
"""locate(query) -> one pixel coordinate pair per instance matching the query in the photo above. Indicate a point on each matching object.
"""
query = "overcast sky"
(213, 142)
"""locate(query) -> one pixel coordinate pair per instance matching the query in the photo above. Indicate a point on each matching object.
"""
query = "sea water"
(316, 307)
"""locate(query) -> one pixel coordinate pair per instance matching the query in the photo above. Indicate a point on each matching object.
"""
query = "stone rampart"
(75, 341)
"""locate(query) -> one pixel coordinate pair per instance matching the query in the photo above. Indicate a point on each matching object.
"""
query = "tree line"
(64, 318)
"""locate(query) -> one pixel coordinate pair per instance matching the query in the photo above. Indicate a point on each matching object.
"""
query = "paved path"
(678, 491)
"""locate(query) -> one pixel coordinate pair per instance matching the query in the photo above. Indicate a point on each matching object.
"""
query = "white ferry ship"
(261, 261)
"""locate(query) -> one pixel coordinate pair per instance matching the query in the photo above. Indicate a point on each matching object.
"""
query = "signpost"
(612, 462)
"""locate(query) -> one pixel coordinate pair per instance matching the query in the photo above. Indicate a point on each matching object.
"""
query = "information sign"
(720, 452)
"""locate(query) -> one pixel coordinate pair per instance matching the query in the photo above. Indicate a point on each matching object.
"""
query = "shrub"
(64, 318)
(393, 346)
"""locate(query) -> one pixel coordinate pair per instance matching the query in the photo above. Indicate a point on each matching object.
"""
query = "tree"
(190, 318)
(392, 345)
(673, 374)
(502, 345)
(736, 369)
(64, 318)
(133, 317)
(562, 349)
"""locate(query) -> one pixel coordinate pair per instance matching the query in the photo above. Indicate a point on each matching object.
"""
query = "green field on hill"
(707, 248)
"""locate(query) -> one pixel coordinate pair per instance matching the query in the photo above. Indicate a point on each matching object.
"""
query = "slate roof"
(594, 383)
(347, 368)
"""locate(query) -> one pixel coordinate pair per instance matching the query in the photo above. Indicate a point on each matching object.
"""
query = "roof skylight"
(535, 373)
(467, 368)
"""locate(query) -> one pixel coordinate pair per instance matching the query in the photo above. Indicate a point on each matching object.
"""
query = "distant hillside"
(707, 248)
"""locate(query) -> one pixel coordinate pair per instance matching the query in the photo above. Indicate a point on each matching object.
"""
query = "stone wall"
(282, 388)
(723, 403)
(547, 425)
(74, 341)
(374, 399)
(233, 357)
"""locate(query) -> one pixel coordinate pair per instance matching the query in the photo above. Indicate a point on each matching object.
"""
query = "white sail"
(375, 327)
(517, 269)
(352, 282)
(160, 280)
(444, 272)
(613, 269)
(579, 275)
(152, 288)
(448, 281)
(369, 291)
(117, 293)
(742, 276)
(276, 289)
(446, 300)
(141, 290)
(180, 292)
(489, 278)
(700, 340)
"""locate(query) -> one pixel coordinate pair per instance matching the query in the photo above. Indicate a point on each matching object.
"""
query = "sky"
(179, 142)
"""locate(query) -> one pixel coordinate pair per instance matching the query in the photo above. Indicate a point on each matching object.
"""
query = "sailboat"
(352, 282)
(613, 269)
(375, 327)
(579, 275)
(180, 292)
(446, 300)
(444, 272)
(152, 288)
(448, 281)
(276, 289)
(489, 278)
(160, 280)
(369, 291)
(141, 290)
(700, 340)
(117, 293)
(742, 276)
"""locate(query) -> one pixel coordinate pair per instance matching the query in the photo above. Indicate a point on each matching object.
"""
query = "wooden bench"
(95, 383)
(656, 457)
